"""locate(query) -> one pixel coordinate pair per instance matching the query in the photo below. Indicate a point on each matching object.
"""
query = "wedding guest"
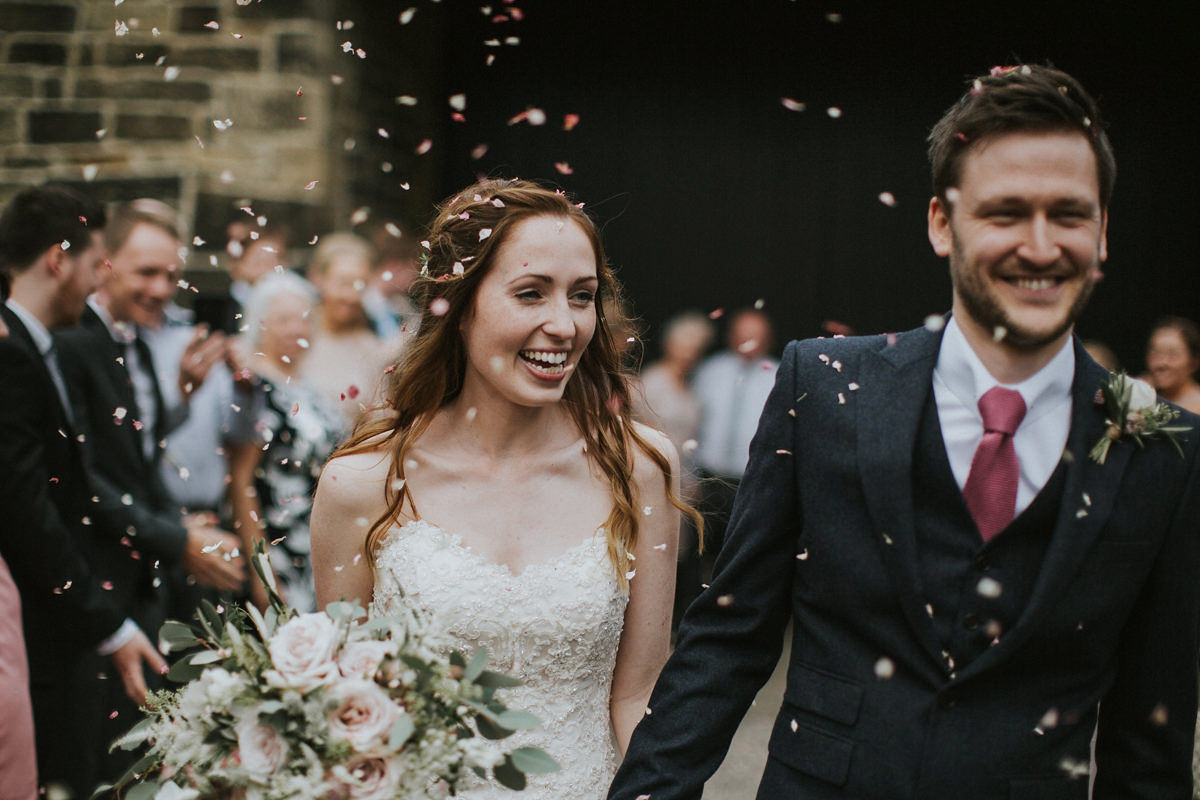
(504, 495)
(389, 306)
(18, 758)
(345, 360)
(1173, 358)
(119, 411)
(981, 608)
(256, 247)
(732, 387)
(293, 430)
(663, 398)
(55, 537)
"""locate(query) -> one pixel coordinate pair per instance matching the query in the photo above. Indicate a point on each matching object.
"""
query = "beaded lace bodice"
(556, 626)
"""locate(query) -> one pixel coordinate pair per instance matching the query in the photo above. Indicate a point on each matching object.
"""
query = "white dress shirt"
(960, 379)
(144, 391)
(732, 392)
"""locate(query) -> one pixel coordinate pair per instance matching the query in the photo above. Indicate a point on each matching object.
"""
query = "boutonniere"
(1133, 410)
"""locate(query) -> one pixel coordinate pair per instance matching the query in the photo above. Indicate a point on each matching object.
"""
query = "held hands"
(213, 556)
(128, 658)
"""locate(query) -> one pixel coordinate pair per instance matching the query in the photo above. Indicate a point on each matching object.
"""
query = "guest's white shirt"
(960, 379)
(732, 392)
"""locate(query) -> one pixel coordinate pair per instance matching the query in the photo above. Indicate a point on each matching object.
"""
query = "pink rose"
(364, 713)
(260, 747)
(375, 778)
(302, 653)
(362, 659)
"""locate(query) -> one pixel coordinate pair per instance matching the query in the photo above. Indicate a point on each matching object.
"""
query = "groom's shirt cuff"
(119, 639)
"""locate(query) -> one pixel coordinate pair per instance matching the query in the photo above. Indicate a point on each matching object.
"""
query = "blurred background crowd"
(267, 168)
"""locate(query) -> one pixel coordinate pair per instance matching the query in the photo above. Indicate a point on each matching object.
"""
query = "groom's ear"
(941, 236)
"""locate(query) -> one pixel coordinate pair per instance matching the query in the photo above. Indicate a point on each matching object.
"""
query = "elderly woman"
(1173, 358)
(347, 359)
(274, 471)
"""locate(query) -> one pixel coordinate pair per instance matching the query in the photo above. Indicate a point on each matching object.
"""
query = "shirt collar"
(121, 332)
(965, 375)
(42, 339)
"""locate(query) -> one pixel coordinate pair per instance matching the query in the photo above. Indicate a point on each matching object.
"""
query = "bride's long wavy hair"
(464, 238)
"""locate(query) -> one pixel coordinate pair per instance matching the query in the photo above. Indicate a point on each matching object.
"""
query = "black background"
(713, 195)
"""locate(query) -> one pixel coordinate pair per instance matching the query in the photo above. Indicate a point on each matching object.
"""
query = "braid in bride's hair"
(463, 240)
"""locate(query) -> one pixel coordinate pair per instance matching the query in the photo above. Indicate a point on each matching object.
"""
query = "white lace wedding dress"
(555, 626)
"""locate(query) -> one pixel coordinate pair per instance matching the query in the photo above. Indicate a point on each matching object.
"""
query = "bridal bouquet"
(327, 705)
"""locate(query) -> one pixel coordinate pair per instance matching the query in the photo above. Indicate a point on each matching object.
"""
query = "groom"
(981, 610)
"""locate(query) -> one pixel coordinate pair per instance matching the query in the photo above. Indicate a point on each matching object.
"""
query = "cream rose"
(1141, 394)
(362, 659)
(260, 747)
(373, 778)
(363, 714)
(302, 653)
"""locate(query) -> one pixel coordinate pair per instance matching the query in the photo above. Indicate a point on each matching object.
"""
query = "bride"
(505, 492)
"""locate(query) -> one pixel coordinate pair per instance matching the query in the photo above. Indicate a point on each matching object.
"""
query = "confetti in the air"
(934, 323)
(989, 588)
(424, 147)
(563, 167)
(888, 199)
(570, 121)
(725, 600)
(310, 186)
(885, 668)
(439, 306)
(458, 102)
(834, 112)
(792, 105)
(484, 233)
(407, 15)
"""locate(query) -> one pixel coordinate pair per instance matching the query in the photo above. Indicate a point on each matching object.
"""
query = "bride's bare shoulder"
(356, 480)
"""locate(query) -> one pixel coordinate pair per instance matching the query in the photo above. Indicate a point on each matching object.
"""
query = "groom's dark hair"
(41, 217)
(1020, 99)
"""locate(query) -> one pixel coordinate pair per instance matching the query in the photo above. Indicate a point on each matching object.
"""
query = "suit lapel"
(895, 384)
(1087, 502)
(20, 333)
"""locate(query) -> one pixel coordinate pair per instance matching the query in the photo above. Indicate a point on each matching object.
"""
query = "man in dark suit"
(118, 407)
(981, 608)
(52, 534)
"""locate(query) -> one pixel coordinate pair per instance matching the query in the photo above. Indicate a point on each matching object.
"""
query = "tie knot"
(1002, 410)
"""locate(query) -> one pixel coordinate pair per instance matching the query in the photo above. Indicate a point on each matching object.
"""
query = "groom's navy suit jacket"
(886, 696)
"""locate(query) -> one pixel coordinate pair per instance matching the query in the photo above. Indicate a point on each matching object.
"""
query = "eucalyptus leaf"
(207, 657)
(531, 760)
(509, 775)
(518, 720)
(401, 731)
(457, 660)
(489, 729)
(175, 635)
(476, 664)
(183, 670)
(142, 791)
(496, 680)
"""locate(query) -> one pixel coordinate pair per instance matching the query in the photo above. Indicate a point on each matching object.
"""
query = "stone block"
(153, 126)
(144, 90)
(16, 86)
(117, 190)
(49, 53)
(44, 16)
(269, 110)
(25, 162)
(193, 19)
(51, 127)
(244, 59)
(52, 88)
(303, 52)
(8, 126)
(127, 55)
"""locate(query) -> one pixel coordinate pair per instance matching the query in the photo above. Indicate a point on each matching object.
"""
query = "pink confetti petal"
(563, 167)
(792, 105)
(424, 147)
(570, 121)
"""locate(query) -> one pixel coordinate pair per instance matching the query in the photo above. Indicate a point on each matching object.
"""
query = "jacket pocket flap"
(823, 693)
(810, 750)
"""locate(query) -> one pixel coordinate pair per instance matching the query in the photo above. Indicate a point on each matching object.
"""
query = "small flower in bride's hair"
(1133, 410)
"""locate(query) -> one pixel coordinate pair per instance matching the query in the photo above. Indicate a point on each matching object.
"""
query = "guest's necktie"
(991, 488)
(59, 385)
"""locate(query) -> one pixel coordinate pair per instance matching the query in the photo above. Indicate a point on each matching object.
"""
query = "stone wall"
(210, 105)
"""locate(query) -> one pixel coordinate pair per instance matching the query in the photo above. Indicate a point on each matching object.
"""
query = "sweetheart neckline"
(456, 540)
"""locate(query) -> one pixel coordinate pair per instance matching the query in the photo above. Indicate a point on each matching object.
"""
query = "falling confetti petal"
(989, 588)
(725, 600)
(834, 112)
(311, 185)
(792, 105)
(570, 121)
(563, 167)
(439, 306)
(934, 323)
(484, 233)
(888, 199)
(885, 668)
(424, 147)
(458, 102)
(406, 15)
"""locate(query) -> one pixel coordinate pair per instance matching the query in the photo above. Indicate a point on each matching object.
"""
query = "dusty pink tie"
(991, 488)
